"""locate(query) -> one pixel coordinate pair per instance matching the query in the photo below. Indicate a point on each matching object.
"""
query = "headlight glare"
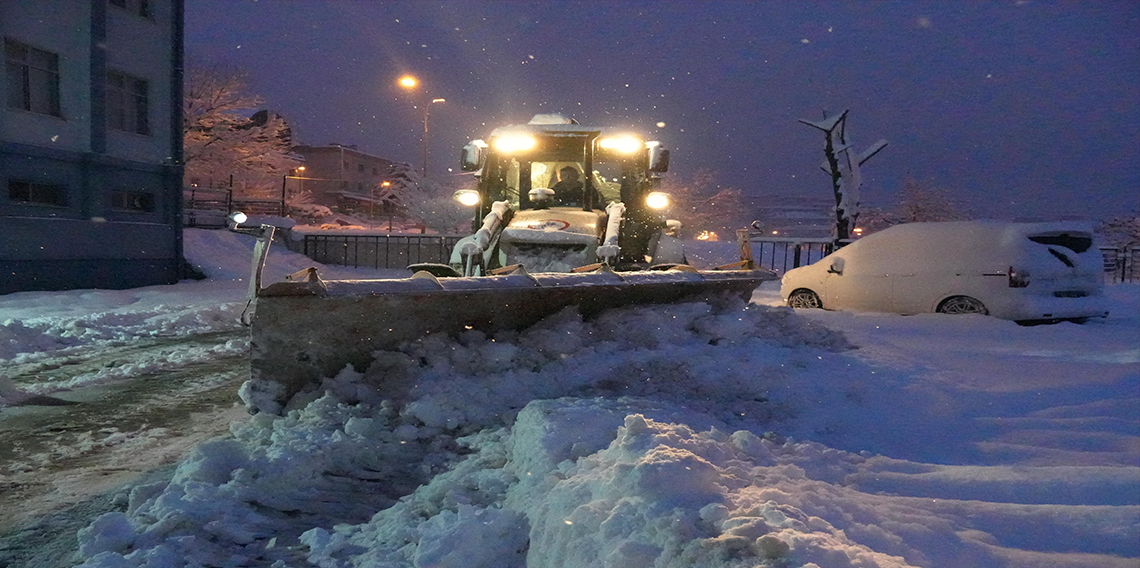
(623, 144)
(467, 197)
(658, 200)
(509, 143)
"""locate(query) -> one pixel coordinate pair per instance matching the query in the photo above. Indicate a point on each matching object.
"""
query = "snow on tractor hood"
(555, 226)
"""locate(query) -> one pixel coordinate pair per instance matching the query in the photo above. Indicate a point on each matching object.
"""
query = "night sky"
(1026, 109)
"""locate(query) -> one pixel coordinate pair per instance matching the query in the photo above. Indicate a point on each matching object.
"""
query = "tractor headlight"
(468, 197)
(658, 200)
(510, 143)
(622, 144)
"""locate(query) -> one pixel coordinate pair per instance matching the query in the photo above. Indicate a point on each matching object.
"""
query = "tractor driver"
(568, 190)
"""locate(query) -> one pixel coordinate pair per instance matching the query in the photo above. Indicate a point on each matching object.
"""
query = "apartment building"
(90, 144)
(335, 171)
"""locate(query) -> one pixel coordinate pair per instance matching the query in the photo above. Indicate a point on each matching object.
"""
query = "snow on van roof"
(950, 246)
(985, 227)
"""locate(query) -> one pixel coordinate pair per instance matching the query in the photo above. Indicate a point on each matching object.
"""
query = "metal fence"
(379, 251)
(1121, 264)
(208, 208)
(782, 255)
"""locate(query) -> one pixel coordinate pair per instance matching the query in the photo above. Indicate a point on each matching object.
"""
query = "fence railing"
(210, 207)
(782, 255)
(1121, 264)
(379, 251)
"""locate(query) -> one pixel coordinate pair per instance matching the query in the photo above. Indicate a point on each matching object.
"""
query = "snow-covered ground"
(684, 435)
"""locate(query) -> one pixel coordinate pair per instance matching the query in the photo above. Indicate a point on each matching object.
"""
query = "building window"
(135, 201)
(33, 78)
(127, 107)
(137, 7)
(37, 193)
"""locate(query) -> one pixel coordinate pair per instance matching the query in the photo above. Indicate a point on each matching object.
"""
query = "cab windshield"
(566, 178)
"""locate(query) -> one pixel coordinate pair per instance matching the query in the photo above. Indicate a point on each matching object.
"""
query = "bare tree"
(1121, 231)
(700, 204)
(916, 202)
(922, 201)
(224, 135)
(429, 201)
(842, 164)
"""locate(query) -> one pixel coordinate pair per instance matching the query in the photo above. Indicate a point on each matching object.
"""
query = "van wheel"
(962, 305)
(803, 298)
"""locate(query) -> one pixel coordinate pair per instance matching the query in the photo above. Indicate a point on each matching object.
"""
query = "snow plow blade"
(305, 330)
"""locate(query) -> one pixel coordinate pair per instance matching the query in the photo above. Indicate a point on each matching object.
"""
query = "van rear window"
(1079, 242)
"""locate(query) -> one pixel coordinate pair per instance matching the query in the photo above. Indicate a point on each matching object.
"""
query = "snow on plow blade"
(303, 331)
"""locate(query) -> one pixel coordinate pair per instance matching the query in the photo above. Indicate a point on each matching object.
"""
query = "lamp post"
(296, 172)
(410, 83)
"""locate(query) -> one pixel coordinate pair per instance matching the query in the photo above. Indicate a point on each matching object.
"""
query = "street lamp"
(409, 82)
(297, 172)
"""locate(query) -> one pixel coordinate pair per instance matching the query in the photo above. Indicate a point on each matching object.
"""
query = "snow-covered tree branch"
(427, 200)
(700, 204)
(843, 164)
(916, 202)
(1121, 231)
(224, 134)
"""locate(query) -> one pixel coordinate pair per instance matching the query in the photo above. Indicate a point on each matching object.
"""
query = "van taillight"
(1018, 278)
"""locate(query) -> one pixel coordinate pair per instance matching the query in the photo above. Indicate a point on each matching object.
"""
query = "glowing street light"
(409, 82)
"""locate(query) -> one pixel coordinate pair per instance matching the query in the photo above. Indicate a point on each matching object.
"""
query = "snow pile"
(547, 258)
(624, 491)
(30, 339)
(38, 330)
(344, 452)
(36, 325)
(578, 443)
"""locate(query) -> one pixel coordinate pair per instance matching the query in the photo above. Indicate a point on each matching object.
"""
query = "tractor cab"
(601, 166)
(558, 179)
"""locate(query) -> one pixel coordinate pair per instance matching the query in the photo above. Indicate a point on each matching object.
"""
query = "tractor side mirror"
(471, 159)
(658, 158)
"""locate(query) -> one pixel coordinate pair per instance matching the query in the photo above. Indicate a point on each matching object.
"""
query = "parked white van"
(1015, 271)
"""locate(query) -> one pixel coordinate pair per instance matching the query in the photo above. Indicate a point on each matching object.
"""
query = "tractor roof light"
(511, 143)
(622, 144)
(467, 197)
(658, 200)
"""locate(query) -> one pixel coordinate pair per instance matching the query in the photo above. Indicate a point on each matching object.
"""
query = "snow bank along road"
(687, 435)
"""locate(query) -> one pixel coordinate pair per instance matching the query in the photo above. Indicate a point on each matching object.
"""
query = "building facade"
(333, 172)
(90, 144)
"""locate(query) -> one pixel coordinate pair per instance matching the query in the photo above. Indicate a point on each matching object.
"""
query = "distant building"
(335, 173)
(90, 144)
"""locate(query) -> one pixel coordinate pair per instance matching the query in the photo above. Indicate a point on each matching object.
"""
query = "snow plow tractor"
(564, 215)
(556, 196)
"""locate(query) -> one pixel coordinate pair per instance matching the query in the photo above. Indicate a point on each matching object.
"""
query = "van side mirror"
(471, 158)
(658, 158)
(836, 267)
